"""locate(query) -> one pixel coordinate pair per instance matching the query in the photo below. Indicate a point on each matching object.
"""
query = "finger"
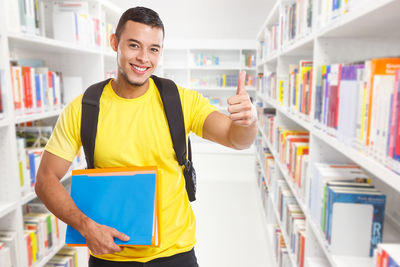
(120, 235)
(115, 248)
(240, 116)
(242, 107)
(236, 99)
(240, 89)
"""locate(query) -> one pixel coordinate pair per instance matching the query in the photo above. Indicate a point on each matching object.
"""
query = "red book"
(27, 89)
(384, 259)
(302, 248)
(290, 144)
(29, 248)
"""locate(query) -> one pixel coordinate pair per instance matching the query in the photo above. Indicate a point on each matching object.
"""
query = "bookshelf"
(367, 30)
(91, 64)
(71, 59)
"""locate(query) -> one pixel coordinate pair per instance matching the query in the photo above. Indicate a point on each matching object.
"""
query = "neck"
(126, 90)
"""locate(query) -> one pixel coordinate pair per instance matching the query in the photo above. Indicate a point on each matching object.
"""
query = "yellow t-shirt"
(135, 132)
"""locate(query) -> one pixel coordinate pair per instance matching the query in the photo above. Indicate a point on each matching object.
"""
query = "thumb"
(240, 89)
(120, 235)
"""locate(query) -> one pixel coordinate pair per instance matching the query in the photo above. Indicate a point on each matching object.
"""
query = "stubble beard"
(135, 84)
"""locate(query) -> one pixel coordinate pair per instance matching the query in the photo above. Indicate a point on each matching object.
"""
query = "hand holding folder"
(122, 198)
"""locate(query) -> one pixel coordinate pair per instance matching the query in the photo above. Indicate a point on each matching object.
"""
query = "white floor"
(230, 230)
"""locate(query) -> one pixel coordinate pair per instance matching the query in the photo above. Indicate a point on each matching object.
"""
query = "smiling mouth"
(138, 69)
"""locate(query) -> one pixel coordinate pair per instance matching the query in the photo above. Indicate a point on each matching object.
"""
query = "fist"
(241, 110)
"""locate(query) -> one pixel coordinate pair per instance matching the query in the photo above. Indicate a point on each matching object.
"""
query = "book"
(9, 240)
(133, 189)
(355, 221)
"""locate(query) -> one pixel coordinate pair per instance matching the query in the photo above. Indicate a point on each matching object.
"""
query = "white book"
(65, 27)
(13, 17)
(5, 257)
(355, 221)
(9, 239)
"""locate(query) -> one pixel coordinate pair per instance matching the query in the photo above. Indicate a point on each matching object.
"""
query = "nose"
(142, 56)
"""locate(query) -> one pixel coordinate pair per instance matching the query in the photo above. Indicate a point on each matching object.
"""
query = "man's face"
(139, 50)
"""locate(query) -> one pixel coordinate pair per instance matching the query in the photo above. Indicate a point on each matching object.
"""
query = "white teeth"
(139, 69)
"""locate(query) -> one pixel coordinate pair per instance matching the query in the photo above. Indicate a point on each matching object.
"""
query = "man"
(133, 131)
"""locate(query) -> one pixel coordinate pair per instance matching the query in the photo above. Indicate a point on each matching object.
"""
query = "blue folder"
(124, 202)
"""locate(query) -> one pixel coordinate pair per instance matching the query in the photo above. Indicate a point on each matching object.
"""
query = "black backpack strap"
(90, 114)
(173, 110)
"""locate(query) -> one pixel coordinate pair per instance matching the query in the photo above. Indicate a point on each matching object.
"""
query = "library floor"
(230, 231)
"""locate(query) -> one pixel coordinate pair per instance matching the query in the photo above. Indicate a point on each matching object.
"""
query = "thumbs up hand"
(242, 112)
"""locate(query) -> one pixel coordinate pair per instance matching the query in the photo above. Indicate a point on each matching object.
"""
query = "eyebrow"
(136, 41)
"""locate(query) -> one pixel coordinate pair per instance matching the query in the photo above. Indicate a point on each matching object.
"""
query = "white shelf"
(6, 207)
(37, 116)
(4, 122)
(112, 7)
(369, 164)
(44, 44)
(175, 67)
(42, 262)
(248, 68)
(208, 147)
(218, 88)
(109, 53)
(301, 46)
(215, 68)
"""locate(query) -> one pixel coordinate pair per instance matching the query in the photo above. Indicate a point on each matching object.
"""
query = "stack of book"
(269, 85)
(31, 141)
(347, 208)
(249, 60)
(30, 147)
(293, 150)
(360, 102)
(8, 248)
(295, 20)
(271, 41)
(68, 21)
(388, 255)
(41, 231)
(35, 89)
(281, 251)
(333, 9)
(66, 257)
(293, 220)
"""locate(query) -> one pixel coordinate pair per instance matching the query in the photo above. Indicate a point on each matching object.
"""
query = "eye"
(134, 45)
(155, 50)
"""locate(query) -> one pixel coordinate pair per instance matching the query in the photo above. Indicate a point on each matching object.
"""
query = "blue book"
(392, 262)
(351, 212)
(125, 199)
(38, 91)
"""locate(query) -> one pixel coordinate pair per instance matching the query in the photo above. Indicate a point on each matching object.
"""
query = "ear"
(114, 42)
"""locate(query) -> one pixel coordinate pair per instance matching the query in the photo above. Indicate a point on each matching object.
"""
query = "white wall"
(208, 19)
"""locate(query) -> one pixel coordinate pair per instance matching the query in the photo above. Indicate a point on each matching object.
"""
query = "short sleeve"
(65, 140)
(196, 110)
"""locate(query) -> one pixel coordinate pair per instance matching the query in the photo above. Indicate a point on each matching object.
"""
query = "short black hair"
(142, 15)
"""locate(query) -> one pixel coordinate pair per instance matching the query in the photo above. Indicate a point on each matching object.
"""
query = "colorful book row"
(35, 89)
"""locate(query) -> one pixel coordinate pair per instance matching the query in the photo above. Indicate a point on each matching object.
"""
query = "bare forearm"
(51, 192)
(241, 137)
